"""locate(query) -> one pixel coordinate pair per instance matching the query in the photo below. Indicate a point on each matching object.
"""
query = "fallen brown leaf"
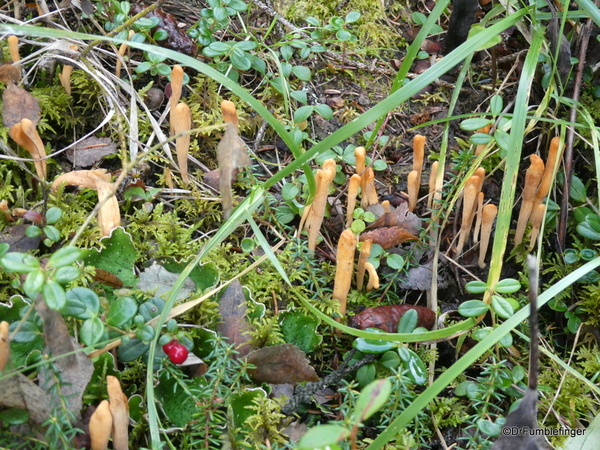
(400, 217)
(386, 317)
(90, 150)
(19, 104)
(280, 364)
(388, 237)
(9, 74)
(233, 325)
(18, 391)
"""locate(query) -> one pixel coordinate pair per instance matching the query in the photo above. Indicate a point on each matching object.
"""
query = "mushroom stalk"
(363, 258)
(413, 182)
(369, 195)
(487, 221)
(13, 48)
(432, 176)
(181, 121)
(4, 345)
(478, 217)
(533, 176)
(316, 213)
(100, 426)
(469, 199)
(353, 186)
(26, 135)
(537, 218)
(373, 277)
(176, 90)
(343, 270)
(122, 49)
(120, 413)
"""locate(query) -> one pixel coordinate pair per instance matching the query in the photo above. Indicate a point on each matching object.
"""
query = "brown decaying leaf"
(233, 325)
(388, 237)
(89, 151)
(107, 278)
(75, 369)
(9, 74)
(18, 391)
(17, 239)
(386, 317)
(280, 364)
(231, 155)
(19, 104)
(400, 217)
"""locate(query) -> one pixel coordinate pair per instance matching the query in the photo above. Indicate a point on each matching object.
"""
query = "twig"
(568, 158)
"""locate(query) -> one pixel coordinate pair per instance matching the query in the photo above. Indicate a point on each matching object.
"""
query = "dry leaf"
(18, 391)
(233, 325)
(9, 74)
(400, 217)
(18, 241)
(386, 317)
(280, 364)
(90, 150)
(388, 237)
(19, 104)
(231, 155)
(158, 280)
(107, 278)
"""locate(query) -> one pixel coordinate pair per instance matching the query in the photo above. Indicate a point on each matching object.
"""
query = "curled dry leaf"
(401, 217)
(9, 74)
(18, 104)
(386, 317)
(280, 364)
(388, 237)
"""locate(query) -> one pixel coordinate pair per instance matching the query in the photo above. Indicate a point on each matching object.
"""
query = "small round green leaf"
(54, 295)
(247, 245)
(289, 191)
(64, 275)
(502, 307)
(476, 287)
(507, 286)
(19, 262)
(14, 416)
(487, 427)
(352, 16)
(373, 345)
(475, 123)
(366, 374)
(390, 359)
(64, 257)
(571, 256)
(53, 215)
(33, 231)
(52, 233)
(587, 254)
(578, 191)
(302, 72)
(473, 308)
(91, 331)
(121, 311)
(303, 113)
(496, 105)
(408, 322)
(395, 261)
(324, 111)
(132, 349)
(414, 367)
(85, 297)
(145, 333)
(34, 282)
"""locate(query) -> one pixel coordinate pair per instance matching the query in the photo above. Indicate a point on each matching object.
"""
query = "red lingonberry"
(169, 345)
(178, 354)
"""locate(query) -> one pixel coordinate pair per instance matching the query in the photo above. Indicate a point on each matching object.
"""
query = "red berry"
(178, 354)
(169, 345)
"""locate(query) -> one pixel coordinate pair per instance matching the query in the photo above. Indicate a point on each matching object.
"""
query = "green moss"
(448, 411)
(265, 423)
